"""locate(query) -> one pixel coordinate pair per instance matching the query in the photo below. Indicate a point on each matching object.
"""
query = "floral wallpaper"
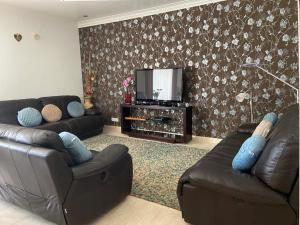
(211, 42)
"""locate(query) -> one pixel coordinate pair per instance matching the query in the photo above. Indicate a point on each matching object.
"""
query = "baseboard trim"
(201, 139)
(116, 130)
(144, 12)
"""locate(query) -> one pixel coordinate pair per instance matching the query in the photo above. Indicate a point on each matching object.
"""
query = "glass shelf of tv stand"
(155, 131)
(156, 135)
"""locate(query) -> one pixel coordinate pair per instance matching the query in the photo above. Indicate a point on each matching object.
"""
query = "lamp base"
(88, 102)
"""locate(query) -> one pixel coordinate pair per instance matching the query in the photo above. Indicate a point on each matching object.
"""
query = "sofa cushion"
(29, 117)
(253, 146)
(61, 102)
(51, 113)
(35, 137)
(83, 124)
(224, 152)
(75, 109)
(75, 147)
(278, 164)
(214, 172)
(57, 127)
(248, 153)
(9, 109)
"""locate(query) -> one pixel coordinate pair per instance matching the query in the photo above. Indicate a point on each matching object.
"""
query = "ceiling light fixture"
(88, 0)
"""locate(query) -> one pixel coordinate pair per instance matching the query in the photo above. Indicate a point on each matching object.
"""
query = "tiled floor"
(197, 141)
(132, 211)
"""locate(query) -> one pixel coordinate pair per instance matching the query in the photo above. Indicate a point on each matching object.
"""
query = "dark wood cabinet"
(176, 128)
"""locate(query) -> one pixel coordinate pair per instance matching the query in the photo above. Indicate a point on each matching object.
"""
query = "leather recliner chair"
(36, 173)
(212, 193)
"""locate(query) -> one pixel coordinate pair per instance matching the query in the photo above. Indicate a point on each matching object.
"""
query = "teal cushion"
(29, 117)
(248, 153)
(75, 109)
(75, 147)
(272, 117)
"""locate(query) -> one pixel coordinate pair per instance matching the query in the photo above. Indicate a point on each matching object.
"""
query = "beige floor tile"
(33, 219)
(132, 211)
(10, 214)
(135, 211)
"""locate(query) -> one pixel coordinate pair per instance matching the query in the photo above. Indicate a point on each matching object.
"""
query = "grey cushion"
(29, 117)
(75, 147)
(75, 109)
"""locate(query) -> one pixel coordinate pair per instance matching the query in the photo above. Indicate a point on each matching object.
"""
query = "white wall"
(35, 68)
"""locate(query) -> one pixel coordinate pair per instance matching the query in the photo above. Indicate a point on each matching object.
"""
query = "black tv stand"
(159, 103)
(136, 123)
(145, 103)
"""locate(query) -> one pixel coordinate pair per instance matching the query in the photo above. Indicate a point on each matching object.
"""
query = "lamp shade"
(242, 96)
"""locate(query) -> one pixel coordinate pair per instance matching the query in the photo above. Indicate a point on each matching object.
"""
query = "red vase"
(127, 98)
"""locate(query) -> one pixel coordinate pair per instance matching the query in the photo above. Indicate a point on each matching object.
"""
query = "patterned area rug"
(156, 166)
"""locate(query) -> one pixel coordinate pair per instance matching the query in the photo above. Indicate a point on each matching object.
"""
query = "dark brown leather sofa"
(83, 127)
(36, 173)
(211, 193)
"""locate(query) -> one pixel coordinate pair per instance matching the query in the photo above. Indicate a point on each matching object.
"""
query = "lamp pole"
(250, 65)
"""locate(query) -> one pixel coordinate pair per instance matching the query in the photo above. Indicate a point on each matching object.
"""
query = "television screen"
(159, 85)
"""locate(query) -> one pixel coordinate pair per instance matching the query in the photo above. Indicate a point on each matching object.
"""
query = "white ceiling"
(76, 9)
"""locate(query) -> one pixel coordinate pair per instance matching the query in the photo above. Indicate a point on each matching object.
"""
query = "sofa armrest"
(101, 161)
(247, 128)
(294, 196)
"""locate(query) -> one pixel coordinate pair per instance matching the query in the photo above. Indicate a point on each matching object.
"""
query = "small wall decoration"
(36, 36)
(18, 37)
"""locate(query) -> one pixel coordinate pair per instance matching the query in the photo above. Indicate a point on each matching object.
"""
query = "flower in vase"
(127, 82)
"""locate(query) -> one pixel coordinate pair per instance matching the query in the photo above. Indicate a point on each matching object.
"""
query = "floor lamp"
(245, 96)
(251, 65)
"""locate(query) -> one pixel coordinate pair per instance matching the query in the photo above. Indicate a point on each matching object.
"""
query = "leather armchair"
(37, 176)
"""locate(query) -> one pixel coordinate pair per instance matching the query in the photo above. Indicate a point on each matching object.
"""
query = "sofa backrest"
(61, 102)
(35, 137)
(279, 163)
(9, 109)
(33, 178)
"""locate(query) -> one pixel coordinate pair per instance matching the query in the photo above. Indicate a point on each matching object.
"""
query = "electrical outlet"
(115, 119)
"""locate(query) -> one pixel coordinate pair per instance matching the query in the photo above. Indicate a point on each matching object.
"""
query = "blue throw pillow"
(272, 117)
(75, 109)
(248, 153)
(29, 117)
(75, 147)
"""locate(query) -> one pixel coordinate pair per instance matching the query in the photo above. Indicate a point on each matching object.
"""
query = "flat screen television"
(159, 85)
